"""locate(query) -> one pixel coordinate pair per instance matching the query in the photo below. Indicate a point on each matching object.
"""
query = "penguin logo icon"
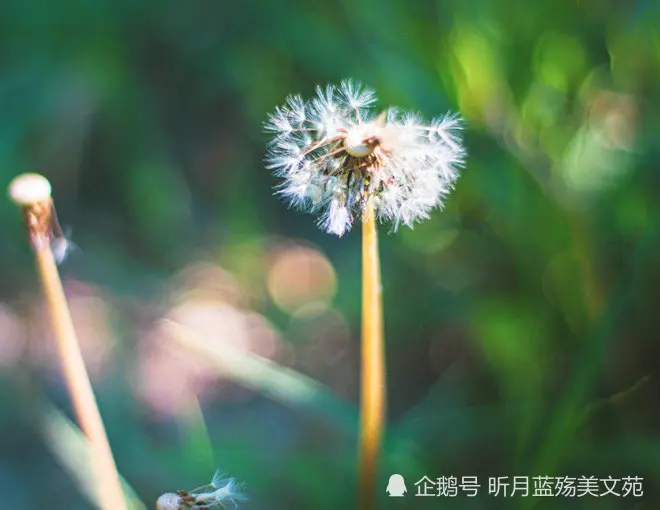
(396, 487)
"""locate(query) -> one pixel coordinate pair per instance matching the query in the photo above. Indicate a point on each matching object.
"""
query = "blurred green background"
(519, 321)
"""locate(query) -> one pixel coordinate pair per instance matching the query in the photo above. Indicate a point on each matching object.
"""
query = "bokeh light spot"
(298, 276)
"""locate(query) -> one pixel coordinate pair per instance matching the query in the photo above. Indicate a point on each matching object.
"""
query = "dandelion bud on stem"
(32, 193)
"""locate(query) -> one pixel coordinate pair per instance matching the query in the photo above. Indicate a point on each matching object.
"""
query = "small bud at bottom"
(168, 501)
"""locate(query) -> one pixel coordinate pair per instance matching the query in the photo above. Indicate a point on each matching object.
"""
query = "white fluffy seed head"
(334, 152)
(28, 189)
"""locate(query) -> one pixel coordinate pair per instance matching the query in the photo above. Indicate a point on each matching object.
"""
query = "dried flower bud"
(222, 492)
(169, 501)
(29, 189)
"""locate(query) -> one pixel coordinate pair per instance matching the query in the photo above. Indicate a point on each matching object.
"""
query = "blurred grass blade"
(278, 383)
(198, 447)
(70, 448)
(570, 413)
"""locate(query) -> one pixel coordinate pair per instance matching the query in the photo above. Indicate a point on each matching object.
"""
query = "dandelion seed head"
(334, 153)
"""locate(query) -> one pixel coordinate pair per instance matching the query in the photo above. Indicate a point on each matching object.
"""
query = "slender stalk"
(79, 385)
(32, 193)
(373, 397)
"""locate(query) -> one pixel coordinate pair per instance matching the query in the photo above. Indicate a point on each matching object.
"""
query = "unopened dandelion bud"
(335, 154)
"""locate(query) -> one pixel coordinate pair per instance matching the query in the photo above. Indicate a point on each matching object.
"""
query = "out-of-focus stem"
(373, 387)
(281, 384)
(86, 410)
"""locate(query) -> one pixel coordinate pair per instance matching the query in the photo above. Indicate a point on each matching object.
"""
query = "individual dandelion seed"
(223, 492)
(60, 243)
(62, 246)
(335, 152)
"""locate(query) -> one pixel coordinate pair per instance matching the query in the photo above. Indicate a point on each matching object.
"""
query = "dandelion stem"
(373, 397)
(38, 216)
(78, 383)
